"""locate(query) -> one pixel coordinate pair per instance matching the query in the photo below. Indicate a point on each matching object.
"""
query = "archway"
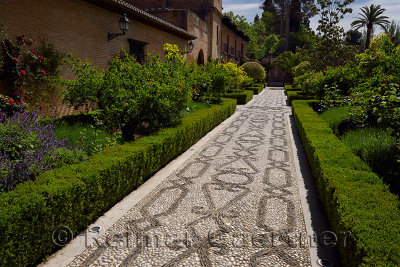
(200, 58)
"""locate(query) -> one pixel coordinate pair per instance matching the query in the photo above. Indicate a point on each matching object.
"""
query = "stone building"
(217, 36)
(81, 27)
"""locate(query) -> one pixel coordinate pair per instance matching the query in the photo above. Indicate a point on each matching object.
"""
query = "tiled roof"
(232, 25)
(120, 6)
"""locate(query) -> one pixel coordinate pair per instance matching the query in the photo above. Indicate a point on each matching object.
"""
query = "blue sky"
(249, 8)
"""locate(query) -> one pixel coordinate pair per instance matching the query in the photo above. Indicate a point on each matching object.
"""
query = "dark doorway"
(200, 58)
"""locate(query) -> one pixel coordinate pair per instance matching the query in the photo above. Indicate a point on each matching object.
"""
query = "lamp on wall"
(190, 47)
(123, 25)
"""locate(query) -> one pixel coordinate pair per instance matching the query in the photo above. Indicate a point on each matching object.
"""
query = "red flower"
(350, 95)
(11, 101)
(23, 72)
(15, 59)
(34, 51)
(22, 43)
(40, 59)
(26, 96)
(41, 106)
(43, 72)
(52, 116)
(22, 91)
(193, 86)
(18, 103)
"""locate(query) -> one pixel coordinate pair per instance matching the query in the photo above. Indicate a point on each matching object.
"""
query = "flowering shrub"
(28, 148)
(19, 64)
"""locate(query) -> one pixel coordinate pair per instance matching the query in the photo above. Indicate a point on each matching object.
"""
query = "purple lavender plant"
(27, 148)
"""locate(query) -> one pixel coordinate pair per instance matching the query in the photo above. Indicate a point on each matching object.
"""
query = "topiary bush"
(254, 70)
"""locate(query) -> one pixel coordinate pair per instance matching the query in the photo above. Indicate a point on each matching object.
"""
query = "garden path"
(234, 202)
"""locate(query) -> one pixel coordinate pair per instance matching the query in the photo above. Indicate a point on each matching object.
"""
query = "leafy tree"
(393, 30)
(256, 18)
(371, 16)
(331, 48)
(353, 37)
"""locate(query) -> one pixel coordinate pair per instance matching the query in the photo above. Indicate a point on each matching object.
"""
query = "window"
(137, 48)
(226, 48)
(217, 34)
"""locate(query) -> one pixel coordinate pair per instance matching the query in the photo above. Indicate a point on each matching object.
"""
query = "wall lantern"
(190, 47)
(123, 25)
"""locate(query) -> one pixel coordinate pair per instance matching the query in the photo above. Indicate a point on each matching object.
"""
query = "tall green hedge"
(77, 195)
(241, 98)
(354, 198)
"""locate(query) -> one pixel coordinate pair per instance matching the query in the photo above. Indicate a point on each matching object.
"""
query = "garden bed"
(241, 98)
(76, 195)
(355, 199)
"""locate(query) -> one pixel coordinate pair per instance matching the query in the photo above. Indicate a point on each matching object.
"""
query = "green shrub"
(131, 95)
(236, 76)
(241, 98)
(76, 195)
(335, 116)
(254, 70)
(378, 148)
(354, 198)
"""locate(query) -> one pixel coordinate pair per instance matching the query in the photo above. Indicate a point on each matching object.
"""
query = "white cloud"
(237, 8)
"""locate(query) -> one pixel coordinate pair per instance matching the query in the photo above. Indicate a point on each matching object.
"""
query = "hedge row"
(241, 98)
(256, 89)
(354, 198)
(297, 95)
(77, 195)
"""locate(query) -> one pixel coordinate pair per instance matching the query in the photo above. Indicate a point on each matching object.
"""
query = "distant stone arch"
(200, 58)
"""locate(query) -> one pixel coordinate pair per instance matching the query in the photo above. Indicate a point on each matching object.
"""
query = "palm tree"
(287, 61)
(370, 16)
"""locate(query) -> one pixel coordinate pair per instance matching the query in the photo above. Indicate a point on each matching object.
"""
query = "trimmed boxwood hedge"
(354, 198)
(297, 95)
(256, 89)
(77, 195)
(241, 98)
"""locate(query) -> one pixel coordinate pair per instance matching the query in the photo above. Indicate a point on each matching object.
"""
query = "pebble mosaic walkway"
(235, 202)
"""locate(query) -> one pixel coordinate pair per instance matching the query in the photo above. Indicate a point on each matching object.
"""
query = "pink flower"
(52, 116)
(23, 72)
(41, 107)
(11, 101)
(22, 43)
(34, 51)
(43, 72)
